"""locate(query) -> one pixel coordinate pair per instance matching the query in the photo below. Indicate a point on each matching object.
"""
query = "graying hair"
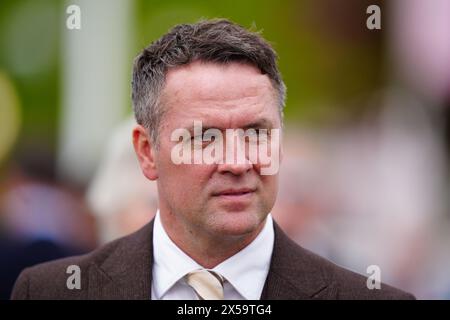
(217, 40)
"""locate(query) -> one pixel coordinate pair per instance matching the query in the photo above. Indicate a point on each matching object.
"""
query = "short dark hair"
(217, 40)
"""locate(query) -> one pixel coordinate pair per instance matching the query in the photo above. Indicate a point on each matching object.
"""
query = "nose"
(235, 168)
(235, 159)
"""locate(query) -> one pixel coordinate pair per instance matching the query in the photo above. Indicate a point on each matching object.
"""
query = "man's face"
(218, 199)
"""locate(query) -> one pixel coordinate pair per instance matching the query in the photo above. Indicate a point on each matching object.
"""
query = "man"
(213, 236)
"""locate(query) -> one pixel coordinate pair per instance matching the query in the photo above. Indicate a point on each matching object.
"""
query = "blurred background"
(365, 177)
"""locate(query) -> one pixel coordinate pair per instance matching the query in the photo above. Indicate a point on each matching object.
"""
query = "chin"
(238, 223)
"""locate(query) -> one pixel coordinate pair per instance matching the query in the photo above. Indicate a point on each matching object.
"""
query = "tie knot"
(207, 284)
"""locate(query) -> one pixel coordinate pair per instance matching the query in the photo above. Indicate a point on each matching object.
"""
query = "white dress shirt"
(245, 272)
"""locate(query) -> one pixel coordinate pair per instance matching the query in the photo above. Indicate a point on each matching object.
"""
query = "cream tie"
(207, 284)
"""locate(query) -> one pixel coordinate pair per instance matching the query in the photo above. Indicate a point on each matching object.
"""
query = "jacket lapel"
(295, 273)
(126, 273)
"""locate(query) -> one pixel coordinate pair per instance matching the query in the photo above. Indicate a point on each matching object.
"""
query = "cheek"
(270, 188)
(185, 179)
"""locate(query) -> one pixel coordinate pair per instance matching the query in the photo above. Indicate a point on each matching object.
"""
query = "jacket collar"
(295, 273)
(126, 273)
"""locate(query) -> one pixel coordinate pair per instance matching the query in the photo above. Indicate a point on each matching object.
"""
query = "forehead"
(220, 93)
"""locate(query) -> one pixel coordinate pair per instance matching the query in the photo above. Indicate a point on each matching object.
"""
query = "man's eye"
(208, 136)
(201, 142)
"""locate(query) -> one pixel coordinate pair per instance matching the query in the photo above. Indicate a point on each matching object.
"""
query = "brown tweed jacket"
(122, 269)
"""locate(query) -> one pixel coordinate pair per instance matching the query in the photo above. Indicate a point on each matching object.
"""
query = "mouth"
(235, 193)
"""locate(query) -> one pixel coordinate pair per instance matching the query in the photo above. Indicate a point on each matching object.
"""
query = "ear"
(281, 147)
(145, 151)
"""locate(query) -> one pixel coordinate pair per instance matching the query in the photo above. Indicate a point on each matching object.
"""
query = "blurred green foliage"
(327, 56)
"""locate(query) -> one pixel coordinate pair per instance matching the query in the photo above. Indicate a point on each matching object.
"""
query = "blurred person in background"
(40, 219)
(121, 198)
(213, 236)
(368, 187)
(383, 176)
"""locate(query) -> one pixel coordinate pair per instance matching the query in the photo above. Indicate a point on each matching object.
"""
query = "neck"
(207, 249)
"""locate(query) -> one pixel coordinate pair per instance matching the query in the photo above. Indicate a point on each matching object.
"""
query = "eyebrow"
(259, 124)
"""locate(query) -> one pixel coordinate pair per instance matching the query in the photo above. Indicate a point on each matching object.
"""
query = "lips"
(235, 192)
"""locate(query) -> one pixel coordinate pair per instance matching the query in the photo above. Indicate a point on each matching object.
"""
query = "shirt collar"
(246, 271)
(170, 262)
